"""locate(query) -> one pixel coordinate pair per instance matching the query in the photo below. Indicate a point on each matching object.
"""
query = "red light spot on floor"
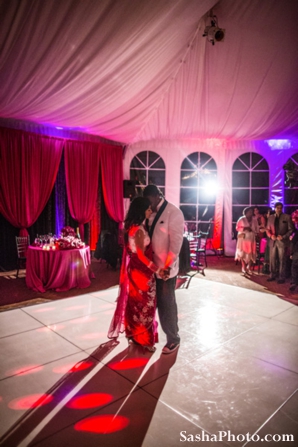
(44, 309)
(56, 327)
(129, 364)
(43, 329)
(30, 401)
(28, 369)
(82, 306)
(52, 327)
(86, 319)
(90, 400)
(70, 367)
(107, 423)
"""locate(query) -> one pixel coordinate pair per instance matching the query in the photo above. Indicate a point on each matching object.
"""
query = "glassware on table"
(37, 241)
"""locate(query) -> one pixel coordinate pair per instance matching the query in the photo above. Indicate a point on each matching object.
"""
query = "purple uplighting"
(279, 144)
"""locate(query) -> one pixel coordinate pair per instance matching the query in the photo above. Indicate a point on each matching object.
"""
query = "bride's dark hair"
(136, 212)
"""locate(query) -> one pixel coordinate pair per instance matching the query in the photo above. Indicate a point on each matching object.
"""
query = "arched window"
(148, 168)
(291, 189)
(250, 184)
(198, 188)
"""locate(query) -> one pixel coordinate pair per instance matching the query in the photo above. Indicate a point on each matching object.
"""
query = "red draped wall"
(81, 170)
(112, 180)
(95, 224)
(28, 169)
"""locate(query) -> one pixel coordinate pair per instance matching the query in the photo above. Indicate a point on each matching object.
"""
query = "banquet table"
(58, 269)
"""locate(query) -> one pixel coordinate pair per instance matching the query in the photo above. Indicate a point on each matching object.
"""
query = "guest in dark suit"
(279, 228)
(294, 252)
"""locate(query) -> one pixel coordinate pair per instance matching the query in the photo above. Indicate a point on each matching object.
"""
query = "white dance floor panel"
(62, 382)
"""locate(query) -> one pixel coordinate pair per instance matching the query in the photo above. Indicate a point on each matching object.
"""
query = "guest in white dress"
(246, 250)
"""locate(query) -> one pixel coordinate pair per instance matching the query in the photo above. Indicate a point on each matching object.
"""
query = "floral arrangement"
(68, 240)
(68, 231)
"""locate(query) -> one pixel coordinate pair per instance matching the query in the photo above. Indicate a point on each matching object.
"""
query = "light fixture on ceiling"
(212, 31)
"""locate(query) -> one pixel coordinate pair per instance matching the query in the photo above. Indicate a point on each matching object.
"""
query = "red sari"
(136, 303)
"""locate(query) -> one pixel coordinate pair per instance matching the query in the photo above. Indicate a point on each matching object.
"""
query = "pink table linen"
(60, 270)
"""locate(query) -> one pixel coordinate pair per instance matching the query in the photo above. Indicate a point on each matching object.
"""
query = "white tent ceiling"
(134, 70)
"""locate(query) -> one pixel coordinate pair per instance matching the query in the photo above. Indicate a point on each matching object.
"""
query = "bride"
(136, 303)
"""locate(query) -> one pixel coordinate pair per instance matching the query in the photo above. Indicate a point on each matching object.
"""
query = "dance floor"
(235, 374)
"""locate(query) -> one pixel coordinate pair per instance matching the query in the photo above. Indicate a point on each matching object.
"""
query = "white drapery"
(139, 72)
(133, 70)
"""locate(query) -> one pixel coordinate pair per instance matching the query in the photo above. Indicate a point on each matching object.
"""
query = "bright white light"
(58, 127)
(211, 187)
(279, 144)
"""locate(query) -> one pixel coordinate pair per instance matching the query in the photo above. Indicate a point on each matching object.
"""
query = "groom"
(166, 226)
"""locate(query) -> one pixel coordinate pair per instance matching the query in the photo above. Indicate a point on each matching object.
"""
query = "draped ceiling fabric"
(136, 70)
(139, 73)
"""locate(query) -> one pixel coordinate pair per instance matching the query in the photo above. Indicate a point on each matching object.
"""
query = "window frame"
(204, 209)
(148, 169)
(252, 190)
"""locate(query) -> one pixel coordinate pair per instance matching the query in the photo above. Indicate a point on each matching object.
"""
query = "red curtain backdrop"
(81, 171)
(28, 169)
(112, 181)
(95, 225)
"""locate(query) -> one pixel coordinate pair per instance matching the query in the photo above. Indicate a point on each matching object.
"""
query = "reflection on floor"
(234, 376)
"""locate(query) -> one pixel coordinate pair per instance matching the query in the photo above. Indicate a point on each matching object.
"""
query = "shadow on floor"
(72, 409)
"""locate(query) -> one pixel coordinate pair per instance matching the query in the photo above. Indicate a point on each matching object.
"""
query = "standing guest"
(246, 249)
(279, 229)
(261, 222)
(166, 225)
(266, 269)
(294, 252)
(136, 303)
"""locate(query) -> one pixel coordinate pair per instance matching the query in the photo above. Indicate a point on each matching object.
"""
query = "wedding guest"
(266, 269)
(246, 250)
(261, 222)
(136, 303)
(294, 252)
(279, 228)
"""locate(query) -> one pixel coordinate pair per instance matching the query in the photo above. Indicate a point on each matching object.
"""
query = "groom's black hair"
(152, 190)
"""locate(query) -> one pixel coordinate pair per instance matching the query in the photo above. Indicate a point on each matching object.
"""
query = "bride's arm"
(140, 248)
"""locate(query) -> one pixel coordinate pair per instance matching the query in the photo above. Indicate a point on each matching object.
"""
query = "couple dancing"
(153, 239)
